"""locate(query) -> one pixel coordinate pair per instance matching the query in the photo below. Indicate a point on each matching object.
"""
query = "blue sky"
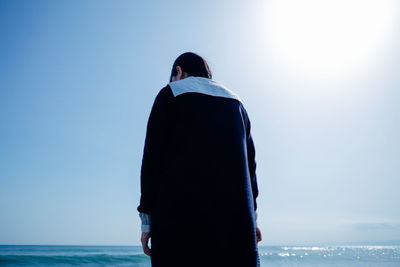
(78, 79)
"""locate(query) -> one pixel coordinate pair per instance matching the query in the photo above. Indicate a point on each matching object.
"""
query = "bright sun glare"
(331, 36)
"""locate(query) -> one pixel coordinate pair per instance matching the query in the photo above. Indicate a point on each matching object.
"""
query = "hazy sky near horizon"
(319, 80)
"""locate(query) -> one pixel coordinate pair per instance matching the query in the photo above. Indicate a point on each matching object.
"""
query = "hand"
(258, 234)
(145, 243)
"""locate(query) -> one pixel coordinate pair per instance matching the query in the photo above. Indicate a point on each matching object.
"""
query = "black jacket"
(198, 176)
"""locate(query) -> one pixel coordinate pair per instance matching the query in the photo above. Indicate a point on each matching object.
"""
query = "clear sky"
(319, 80)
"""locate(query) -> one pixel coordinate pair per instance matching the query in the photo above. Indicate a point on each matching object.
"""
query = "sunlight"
(331, 37)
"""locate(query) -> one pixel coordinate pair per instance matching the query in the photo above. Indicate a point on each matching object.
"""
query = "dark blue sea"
(28, 255)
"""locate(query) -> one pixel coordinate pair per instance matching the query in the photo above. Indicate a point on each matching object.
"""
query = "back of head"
(192, 64)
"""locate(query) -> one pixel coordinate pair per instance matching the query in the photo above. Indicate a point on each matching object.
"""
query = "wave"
(93, 259)
(389, 254)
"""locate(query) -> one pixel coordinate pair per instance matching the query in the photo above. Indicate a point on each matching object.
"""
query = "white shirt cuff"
(146, 219)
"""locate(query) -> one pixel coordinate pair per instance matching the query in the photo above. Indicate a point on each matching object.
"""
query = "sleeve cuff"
(145, 228)
(146, 219)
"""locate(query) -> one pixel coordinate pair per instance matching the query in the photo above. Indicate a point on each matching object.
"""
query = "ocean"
(293, 256)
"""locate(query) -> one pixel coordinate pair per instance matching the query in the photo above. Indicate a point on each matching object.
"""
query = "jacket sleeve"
(152, 160)
(251, 158)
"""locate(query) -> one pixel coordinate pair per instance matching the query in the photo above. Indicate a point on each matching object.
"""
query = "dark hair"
(192, 64)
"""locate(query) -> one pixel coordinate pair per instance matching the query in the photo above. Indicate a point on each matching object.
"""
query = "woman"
(198, 175)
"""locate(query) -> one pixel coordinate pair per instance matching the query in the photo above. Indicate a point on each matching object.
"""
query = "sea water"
(28, 255)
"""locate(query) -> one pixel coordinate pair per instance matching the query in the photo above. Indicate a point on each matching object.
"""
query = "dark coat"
(198, 179)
